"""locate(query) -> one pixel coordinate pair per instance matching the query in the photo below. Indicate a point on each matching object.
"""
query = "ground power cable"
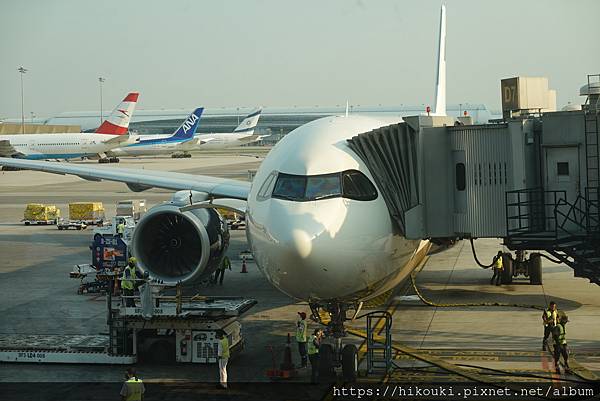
(506, 373)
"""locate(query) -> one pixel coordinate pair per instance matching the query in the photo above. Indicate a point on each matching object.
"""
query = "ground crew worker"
(121, 228)
(313, 353)
(559, 335)
(220, 272)
(128, 282)
(223, 357)
(550, 318)
(301, 334)
(498, 267)
(133, 389)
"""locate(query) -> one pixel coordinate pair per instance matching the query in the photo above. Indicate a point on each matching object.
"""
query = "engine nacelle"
(180, 247)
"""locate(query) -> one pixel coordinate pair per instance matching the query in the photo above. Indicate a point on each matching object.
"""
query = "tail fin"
(189, 126)
(440, 86)
(249, 123)
(118, 121)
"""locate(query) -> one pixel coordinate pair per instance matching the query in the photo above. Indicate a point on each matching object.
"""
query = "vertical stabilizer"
(248, 124)
(188, 128)
(118, 121)
(440, 85)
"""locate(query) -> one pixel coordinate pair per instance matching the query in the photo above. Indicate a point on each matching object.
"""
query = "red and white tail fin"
(118, 121)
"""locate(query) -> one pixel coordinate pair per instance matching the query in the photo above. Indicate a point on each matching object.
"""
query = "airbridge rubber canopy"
(390, 153)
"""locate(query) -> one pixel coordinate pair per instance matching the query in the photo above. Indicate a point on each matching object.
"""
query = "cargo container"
(88, 212)
(38, 213)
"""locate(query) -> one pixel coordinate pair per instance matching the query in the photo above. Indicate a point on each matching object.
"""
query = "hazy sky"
(185, 53)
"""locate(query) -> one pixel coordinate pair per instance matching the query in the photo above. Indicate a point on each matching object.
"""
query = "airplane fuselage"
(335, 247)
(162, 145)
(58, 146)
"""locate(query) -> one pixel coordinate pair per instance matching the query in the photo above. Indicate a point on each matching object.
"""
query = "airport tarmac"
(38, 297)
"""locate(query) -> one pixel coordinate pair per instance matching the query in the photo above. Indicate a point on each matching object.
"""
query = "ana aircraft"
(182, 142)
(163, 144)
(317, 224)
(112, 133)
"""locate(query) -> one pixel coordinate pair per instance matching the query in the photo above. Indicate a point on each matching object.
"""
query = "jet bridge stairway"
(569, 233)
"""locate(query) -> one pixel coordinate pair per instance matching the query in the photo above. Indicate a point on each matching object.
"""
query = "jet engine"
(177, 247)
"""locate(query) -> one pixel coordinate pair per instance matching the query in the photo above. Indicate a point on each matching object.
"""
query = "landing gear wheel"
(114, 160)
(349, 363)
(326, 371)
(507, 268)
(104, 160)
(535, 269)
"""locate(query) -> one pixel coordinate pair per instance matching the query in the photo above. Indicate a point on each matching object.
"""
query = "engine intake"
(180, 247)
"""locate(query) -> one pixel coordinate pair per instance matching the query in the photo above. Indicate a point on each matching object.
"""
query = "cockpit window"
(266, 188)
(351, 184)
(357, 186)
(323, 186)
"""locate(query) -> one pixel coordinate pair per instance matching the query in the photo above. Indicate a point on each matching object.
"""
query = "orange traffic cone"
(244, 270)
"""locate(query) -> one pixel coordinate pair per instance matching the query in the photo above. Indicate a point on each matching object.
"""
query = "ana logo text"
(189, 123)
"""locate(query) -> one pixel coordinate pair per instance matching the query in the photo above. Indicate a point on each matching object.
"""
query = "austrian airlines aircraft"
(112, 133)
(317, 224)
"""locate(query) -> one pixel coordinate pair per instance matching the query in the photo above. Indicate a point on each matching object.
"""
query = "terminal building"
(274, 121)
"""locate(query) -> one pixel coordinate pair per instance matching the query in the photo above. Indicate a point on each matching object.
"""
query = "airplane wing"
(139, 179)
(7, 150)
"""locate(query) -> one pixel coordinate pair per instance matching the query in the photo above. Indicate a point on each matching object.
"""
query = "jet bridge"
(532, 180)
(442, 180)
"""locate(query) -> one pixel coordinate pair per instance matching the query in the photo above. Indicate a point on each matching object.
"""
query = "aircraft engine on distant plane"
(180, 247)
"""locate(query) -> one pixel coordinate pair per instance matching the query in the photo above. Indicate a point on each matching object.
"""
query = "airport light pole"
(101, 80)
(22, 71)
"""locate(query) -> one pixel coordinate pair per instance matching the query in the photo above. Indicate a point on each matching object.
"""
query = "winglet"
(249, 123)
(118, 121)
(188, 128)
(440, 86)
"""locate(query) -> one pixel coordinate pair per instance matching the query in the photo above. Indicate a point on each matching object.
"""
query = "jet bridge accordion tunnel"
(518, 179)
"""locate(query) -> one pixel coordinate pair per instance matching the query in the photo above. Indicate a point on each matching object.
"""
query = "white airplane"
(243, 134)
(112, 133)
(181, 142)
(317, 224)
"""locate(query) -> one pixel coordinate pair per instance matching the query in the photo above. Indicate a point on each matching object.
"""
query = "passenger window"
(357, 186)
(461, 176)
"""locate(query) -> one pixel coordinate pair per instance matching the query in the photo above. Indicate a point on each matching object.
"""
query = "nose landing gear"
(333, 353)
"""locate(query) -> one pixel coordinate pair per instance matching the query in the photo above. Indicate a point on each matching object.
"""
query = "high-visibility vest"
(226, 264)
(551, 315)
(301, 330)
(127, 282)
(224, 342)
(134, 389)
(499, 263)
(560, 334)
(120, 228)
(312, 348)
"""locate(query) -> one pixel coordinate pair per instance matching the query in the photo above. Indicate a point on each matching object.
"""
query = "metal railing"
(530, 211)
